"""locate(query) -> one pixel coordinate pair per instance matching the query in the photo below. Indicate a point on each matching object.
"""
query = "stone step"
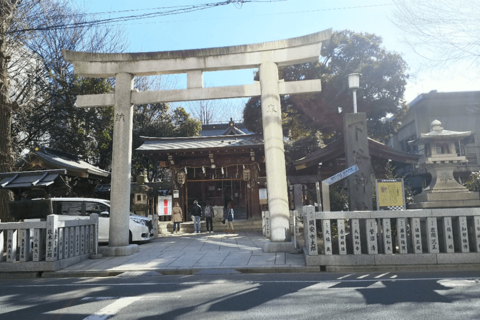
(165, 227)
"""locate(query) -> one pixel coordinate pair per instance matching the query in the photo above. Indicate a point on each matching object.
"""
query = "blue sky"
(274, 20)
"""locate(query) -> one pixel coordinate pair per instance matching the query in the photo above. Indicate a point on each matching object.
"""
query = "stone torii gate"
(267, 56)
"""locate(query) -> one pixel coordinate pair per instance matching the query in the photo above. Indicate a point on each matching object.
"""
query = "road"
(210, 295)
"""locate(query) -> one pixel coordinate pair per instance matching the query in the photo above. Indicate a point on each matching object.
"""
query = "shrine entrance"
(267, 57)
(219, 193)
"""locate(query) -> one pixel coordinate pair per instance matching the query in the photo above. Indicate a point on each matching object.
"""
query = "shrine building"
(223, 166)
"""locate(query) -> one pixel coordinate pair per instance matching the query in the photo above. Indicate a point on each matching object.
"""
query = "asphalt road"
(433, 295)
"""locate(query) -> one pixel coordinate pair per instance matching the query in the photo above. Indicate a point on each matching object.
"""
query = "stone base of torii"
(267, 56)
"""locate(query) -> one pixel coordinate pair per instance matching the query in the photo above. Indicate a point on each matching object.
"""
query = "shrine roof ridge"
(223, 137)
(200, 143)
(317, 37)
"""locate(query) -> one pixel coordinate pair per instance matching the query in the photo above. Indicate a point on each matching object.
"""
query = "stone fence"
(390, 238)
(47, 245)
(294, 224)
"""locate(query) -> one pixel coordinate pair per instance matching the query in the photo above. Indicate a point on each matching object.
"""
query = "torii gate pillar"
(267, 56)
(121, 168)
(274, 154)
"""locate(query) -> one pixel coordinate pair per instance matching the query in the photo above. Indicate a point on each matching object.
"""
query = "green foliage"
(296, 149)
(473, 182)
(338, 198)
(382, 86)
(157, 120)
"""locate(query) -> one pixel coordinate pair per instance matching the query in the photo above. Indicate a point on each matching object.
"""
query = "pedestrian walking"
(228, 217)
(196, 216)
(177, 217)
(208, 213)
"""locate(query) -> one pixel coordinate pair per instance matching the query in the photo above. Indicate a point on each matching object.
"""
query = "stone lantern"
(440, 159)
(139, 196)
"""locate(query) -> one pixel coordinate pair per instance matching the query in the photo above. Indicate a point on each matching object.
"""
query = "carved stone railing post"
(25, 245)
(266, 224)
(387, 236)
(310, 230)
(416, 235)
(51, 251)
(372, 236)
(12, 245)
(432, 235)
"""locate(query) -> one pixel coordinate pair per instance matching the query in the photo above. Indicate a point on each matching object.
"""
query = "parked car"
(141, 228)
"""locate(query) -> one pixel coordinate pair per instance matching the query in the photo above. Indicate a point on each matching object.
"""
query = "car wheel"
(130, 237)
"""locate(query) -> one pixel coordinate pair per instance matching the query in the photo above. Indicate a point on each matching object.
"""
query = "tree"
(443, 31)
(158, 120)
(382, 86)
(7, 9)
(209, 111)
(51, 118)
(40, 99)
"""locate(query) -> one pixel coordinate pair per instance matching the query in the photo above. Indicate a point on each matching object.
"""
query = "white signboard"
(164, 207)
(339, 176)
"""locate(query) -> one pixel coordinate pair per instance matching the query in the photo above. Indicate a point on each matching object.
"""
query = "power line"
(175, 10)
(170, 11)
(272, 14)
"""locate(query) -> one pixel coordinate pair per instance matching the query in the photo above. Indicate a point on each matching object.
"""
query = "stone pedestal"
(118, 251)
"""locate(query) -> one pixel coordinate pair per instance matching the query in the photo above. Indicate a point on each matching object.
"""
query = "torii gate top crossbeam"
(282, 52)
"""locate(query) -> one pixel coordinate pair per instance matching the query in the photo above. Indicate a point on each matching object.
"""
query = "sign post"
(335, 178)
(390, 194)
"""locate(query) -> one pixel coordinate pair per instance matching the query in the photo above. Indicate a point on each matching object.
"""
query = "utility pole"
(7, 8)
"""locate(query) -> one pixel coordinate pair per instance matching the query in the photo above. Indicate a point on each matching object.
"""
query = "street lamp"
(354, 84)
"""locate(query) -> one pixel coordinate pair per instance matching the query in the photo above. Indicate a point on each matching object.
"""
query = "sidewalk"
(203, 253)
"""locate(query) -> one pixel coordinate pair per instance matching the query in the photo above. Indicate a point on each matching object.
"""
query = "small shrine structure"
(440, 159)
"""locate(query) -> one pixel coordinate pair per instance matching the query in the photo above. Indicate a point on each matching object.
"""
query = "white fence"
(380, 238)
(47, 245)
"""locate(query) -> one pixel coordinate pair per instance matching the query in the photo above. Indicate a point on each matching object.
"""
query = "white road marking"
(364, 276)
(112, 308)
(381, 275)
(348, 275)
(155, 296)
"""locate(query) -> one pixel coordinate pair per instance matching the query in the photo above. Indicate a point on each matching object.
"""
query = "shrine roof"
(336, 149)
(224, 129)
(28, 179)
(200, 143)
(53, 159)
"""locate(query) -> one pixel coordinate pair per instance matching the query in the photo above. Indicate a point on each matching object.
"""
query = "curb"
(169, 272)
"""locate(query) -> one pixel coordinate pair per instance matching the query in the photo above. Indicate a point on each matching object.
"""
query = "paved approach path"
(192, 253)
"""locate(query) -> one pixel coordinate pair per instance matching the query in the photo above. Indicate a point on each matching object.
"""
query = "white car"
(141, 228)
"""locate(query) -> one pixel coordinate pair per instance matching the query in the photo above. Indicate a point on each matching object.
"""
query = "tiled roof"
(29, 179)
(337, 149)
(209, 130)
(199, 143)
(59, 160)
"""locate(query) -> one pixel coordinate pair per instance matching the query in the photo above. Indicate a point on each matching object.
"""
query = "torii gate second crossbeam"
(267, 56)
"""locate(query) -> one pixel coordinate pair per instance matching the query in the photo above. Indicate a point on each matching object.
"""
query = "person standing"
(177, 217)
(208, 213)
(196, 216)
(229, 218)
